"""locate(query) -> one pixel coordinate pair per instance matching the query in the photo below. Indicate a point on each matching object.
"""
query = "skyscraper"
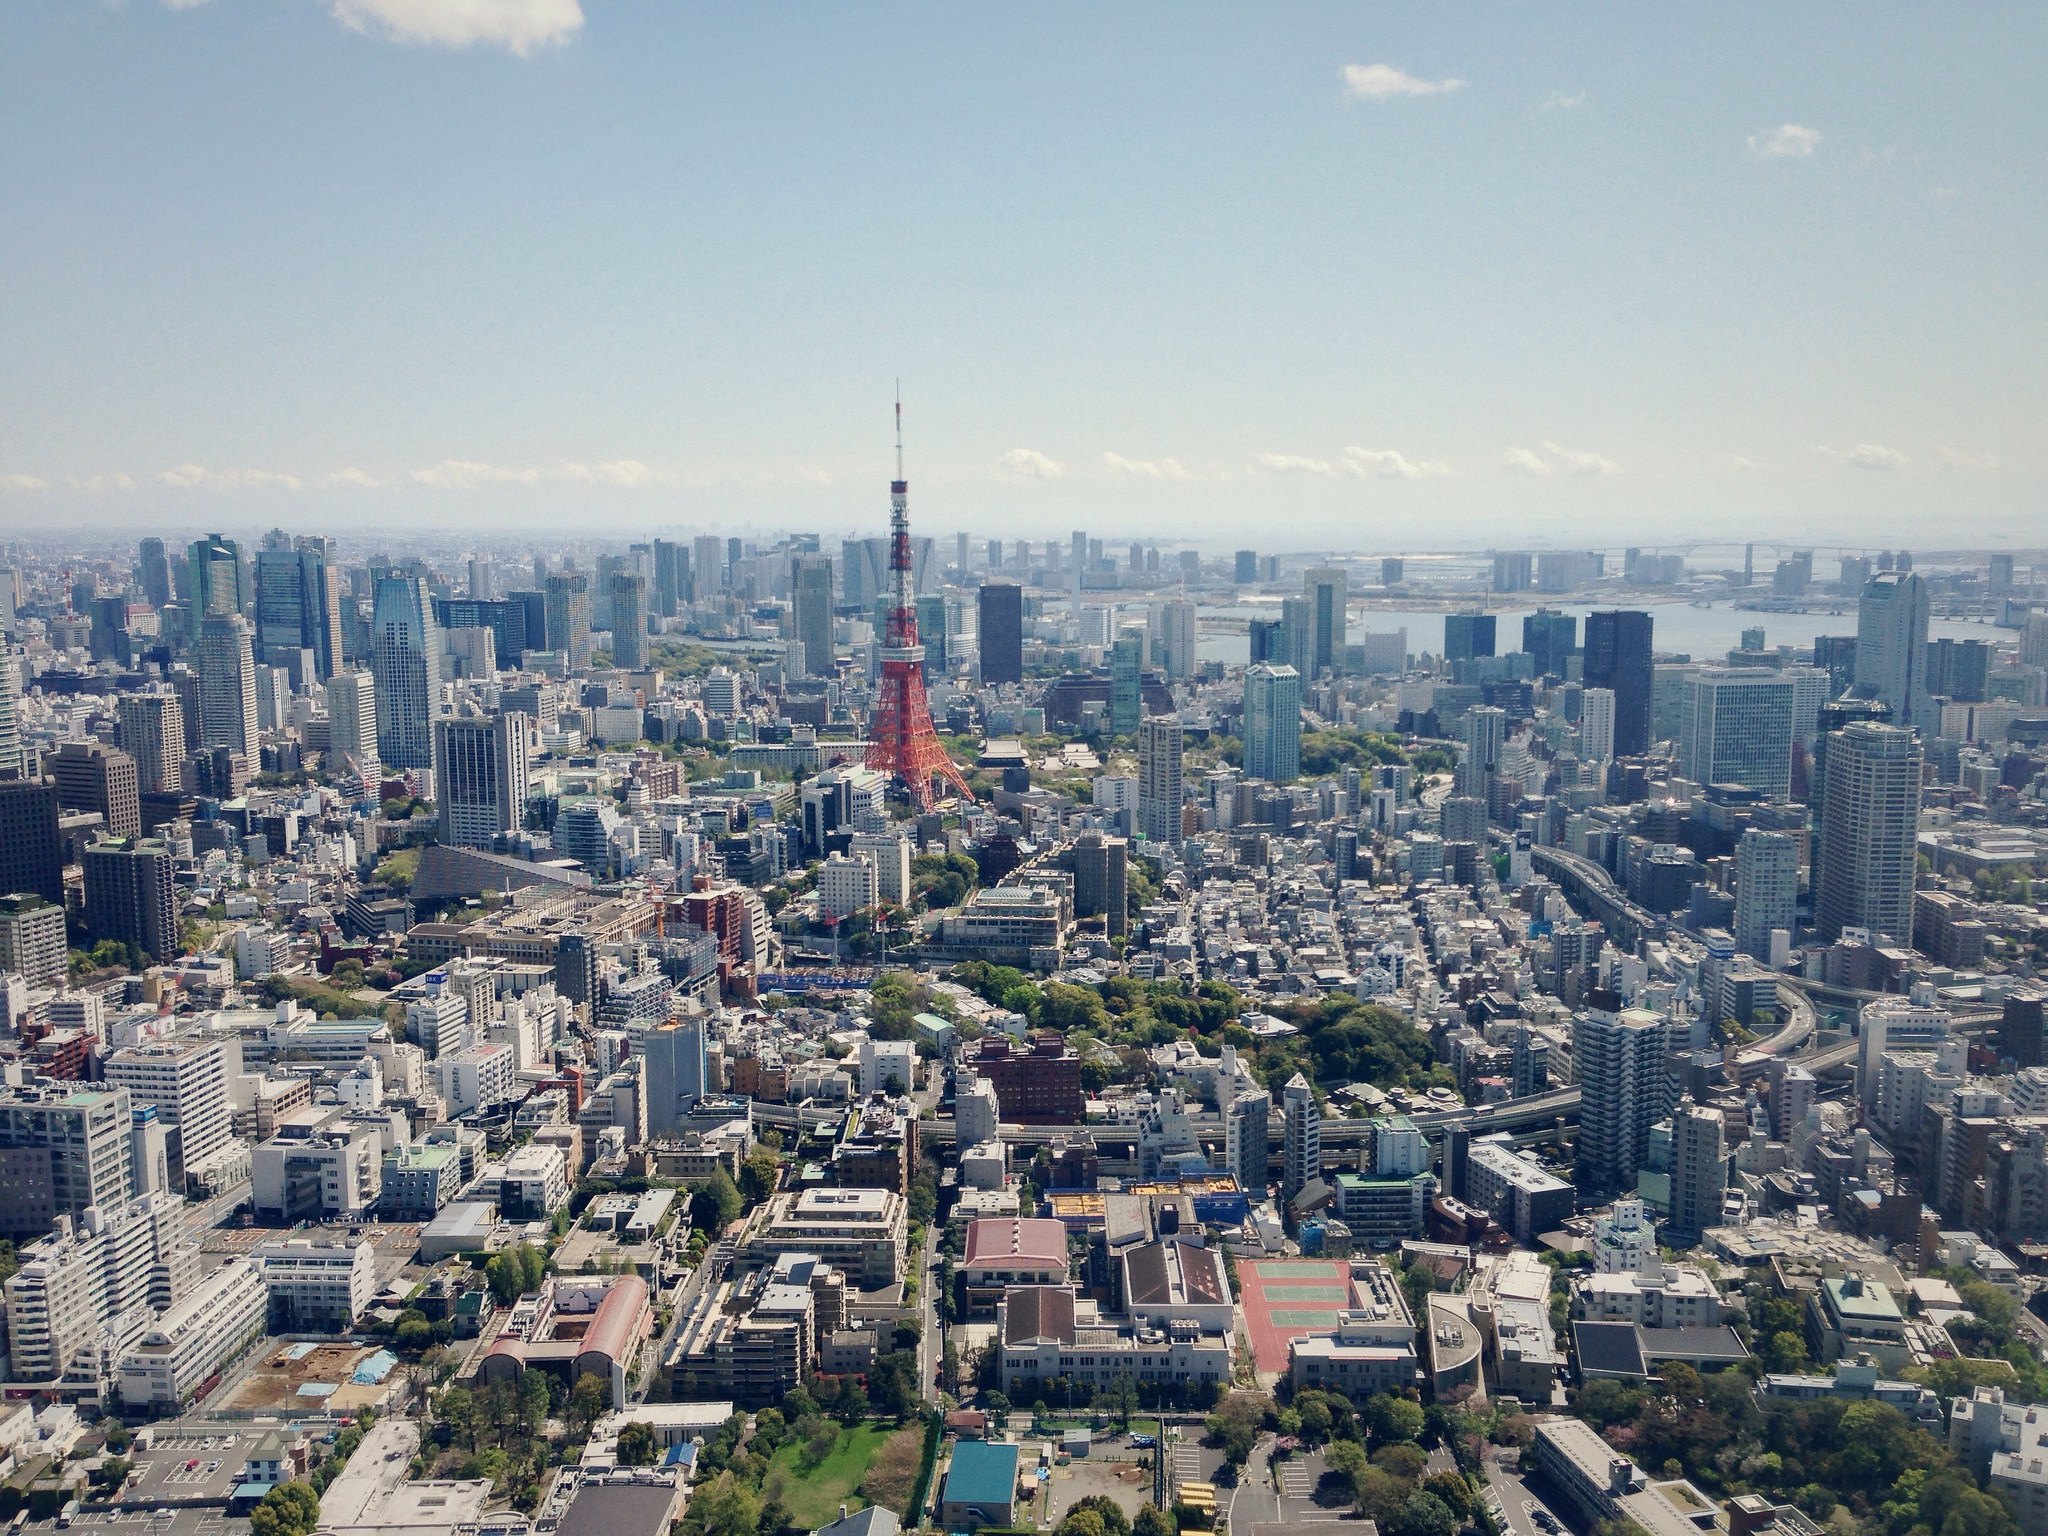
(1160, 749)
(186, 1081)
(227, 687)
(1272, 723)
(1618, 657)
(1302, 1154)
(1247, 567)
(129, 898)
(1000, 615)
(31, 856)
(1327, 589)
(1625, 1087)
(92, 776)
(13, 761)
(1102, 880)
(671, 576)
(1171, 630)
(298, 607)
(675, 1073)
(1126, 683)
(810, 607)
(483, 778)
(1891, 648)
(1484, 732)
(352, 720)
(707, 567)
(568, 617)
(153, 573)
(1467, 635)
(1869, 826)
(214, 579)
(1766, 889)
(1550, 638)
(153, 733)
(1699, 1171)
(1297, 634)
(405, 660)
(629, 620)
(1596, 725)
(1737, 729)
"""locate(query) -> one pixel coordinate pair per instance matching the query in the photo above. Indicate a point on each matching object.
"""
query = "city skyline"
(1398, 284)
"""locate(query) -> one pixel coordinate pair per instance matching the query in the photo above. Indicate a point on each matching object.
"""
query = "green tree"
(1389, 1419)
(725, 1507)
(1346, 1461)
(716, 1204)
(1424, 1514)
(456, 1408)
(850, 1406)
(1151, 1521)
(1123, 1398)
(590, 1399)
(637, 1447)
(289, 1509)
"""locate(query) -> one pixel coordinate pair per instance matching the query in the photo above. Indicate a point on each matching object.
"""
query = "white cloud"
(1787, 141)
(351, 479)
(520, 26)
(1030, 464)
(1559, 101)
(23, 483)
(192, 477)
(1145, 469)
(468, 475)
(1738, 462)
(1522, 461)
(1580, 463)
(1865, 456)
(1291, 464)
(1391, 465)
(1383, 82)
(1956, 458)
(622, 474)
(183, 5)
(96, 483)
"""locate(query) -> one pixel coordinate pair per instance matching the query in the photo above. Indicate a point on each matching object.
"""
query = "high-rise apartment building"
(1302, 1141)
(671, 576)
(1327, 588)
(1596, 725)
(1866, 858)
(352, 720)
(483, 777)
(629, 620)
(1766, 889)
(153, 733)
(405, 660)
(1467, 635)
(63, 1147)
(187, 1082)
(92, 776)
(1485, 734)
(1625, 1087)
(567, 608)
(999, 612)
(213, 580)
(1245, 569)
(32, 940)
(31, 854)
(1891, 648)
(13, 759)
(707, 567)
(1272, 723)
(1737, 729)
(810, 606)
(227, 689)
(1161, 747)
(1618, 657)
(130, 897)
(1699, 1171)
(87, 1292)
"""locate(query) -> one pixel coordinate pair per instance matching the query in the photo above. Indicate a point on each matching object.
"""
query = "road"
(1518, 1502)
(930, 1337)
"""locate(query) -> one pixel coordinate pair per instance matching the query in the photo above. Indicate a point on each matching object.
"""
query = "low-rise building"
(419, 1180)
(1043, 1332)
(860, 1232)
(1008, 1251)
(201, 1332)
(317, 1284)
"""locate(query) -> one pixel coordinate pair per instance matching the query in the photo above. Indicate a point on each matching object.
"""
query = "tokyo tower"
(900, 736)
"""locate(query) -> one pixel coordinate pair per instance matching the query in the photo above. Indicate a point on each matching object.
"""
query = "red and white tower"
(900, 735)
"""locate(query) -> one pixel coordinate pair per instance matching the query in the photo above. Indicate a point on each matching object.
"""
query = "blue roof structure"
(982, 1473)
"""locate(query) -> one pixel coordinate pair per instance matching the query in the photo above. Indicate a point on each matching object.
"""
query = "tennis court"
(1286, 1298)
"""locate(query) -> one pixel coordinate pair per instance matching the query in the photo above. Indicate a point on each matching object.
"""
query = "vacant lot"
(869, 1464)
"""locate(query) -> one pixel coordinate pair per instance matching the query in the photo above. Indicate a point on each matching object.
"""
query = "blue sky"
(1373, 276)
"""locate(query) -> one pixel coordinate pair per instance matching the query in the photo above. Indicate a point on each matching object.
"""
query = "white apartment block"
(187, 1082)
(477, 1076)
(208, 1327)
(87, 1291)
(890, 854)
(847, 885)
(885, 1061)
(317, 1283)
(1655, 1296)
